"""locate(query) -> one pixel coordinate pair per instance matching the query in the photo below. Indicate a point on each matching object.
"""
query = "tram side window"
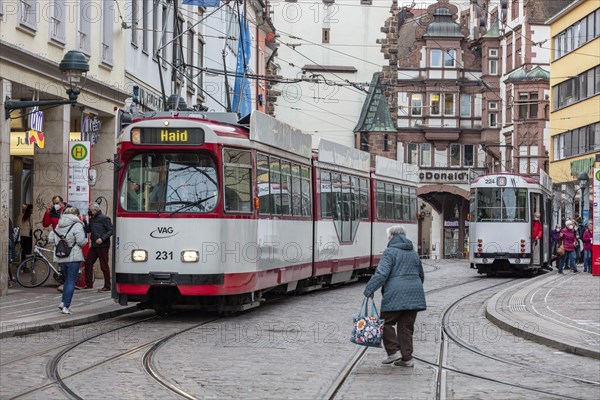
(275, 177)
(306, 193)
(262, 178)
(380, 200)
(364, 199)
(296, 191)
(237, 168)
(326, 200)
(413, 204)
(286, 186)
(389, 201)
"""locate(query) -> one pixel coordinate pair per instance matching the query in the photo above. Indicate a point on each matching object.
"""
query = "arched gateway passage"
(448, 234)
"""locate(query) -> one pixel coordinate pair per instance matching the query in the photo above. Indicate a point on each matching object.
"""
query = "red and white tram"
(214, 214)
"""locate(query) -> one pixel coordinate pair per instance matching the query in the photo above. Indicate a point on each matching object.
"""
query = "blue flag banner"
(242, 96)
(201, 3)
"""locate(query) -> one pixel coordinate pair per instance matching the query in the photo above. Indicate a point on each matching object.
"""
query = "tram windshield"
(170, 182)
(501, 205)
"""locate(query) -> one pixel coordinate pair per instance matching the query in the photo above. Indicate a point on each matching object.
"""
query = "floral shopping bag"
(368, 327)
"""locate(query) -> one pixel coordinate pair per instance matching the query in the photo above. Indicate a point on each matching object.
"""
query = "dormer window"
(442, 58)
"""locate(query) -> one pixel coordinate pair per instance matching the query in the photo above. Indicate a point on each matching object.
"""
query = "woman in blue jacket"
(400, 273)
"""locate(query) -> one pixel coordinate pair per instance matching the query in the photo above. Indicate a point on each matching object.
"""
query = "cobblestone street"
(295, 347)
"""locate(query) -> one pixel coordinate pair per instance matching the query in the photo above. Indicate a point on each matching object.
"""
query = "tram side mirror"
(92, 175)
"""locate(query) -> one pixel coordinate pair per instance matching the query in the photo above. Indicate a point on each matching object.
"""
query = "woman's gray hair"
(71, 210)
(395, 230)
(94, 206)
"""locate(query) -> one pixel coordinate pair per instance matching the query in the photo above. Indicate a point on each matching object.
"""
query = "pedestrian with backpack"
(69, 237)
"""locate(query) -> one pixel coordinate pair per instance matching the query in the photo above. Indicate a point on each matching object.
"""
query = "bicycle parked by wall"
(35, 269)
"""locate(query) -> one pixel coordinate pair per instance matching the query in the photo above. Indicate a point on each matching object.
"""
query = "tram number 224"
(164, 255)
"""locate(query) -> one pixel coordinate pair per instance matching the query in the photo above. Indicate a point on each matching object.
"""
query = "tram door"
(540, 250)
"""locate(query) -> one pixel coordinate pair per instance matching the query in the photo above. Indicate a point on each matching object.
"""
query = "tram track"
(360, 354)
(447, 336)
(53, 366)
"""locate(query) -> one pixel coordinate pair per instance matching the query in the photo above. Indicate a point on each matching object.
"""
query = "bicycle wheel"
(32, 272)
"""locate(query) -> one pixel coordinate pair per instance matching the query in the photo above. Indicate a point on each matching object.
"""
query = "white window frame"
(145, 24)
(440, 105)
(134, 17)
(425, 148)
(450, 55)
(200, 64)
(416, 103)
(106, 44)
(155, 29)
(452, 108)
(440, 58)
(493, 105)
(464, 160)
(57, 21)
(493, 68)
(28, 14)
(493, 53)
(84, 37)
(493, 120)
(412, 147)
(466, 107)
(450, 155)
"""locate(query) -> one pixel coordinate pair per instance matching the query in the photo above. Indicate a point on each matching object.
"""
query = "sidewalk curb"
(12, 329)
(515, 328)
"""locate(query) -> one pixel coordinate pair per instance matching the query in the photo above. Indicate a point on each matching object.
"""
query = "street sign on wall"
(78, 188)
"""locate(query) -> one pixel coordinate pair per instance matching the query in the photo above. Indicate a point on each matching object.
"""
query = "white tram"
(500, 229)
(214, 214)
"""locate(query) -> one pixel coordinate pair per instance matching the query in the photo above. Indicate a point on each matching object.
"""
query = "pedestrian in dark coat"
(555, 244)
(400, 273)
(101, 229)
(587, 247)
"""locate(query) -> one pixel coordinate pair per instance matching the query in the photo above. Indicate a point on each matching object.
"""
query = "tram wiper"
(195, 203)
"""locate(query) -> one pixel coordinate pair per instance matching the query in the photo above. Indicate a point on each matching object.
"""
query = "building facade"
(35, 35)
(445, 103)
(574, 103)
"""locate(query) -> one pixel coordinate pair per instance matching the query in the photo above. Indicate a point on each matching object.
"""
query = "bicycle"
(35, 269)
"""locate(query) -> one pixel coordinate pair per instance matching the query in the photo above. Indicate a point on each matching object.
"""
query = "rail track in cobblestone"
(360, 354)
(58, 380)
(448, 336)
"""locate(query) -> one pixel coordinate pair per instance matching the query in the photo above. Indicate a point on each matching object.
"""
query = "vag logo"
(163, 232)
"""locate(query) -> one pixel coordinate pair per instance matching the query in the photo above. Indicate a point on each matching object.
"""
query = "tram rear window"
(171, 136)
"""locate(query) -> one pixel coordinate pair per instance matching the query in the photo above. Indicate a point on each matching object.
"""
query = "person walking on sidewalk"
(400, 274)
(101, 229)
(71, 229)
(26, 230)
(569, 238)
(587, 248)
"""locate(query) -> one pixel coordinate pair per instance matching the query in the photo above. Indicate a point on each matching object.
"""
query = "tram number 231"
(164, 255)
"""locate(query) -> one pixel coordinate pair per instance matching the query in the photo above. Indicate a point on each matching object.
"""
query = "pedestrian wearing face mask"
(536, 235)
(569, 237)
(53, 212)
(101, 229)
(556, 243)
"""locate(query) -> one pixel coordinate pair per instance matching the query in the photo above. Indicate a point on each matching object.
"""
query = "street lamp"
(583, 182)
(73, 67)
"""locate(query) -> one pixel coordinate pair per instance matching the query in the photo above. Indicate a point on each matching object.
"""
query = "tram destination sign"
(172, 136)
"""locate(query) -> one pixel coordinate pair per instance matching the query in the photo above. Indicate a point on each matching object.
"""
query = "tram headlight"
(139, 255)
(136, 135)
(190, 256)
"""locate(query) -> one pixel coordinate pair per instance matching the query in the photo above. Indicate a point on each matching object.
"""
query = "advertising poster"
(78, 188)
(596, 220)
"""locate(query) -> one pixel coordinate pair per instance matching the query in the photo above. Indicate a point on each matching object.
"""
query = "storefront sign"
(21, 144)
(78, 190)
(454, 224)
(90, 128)
(444, 176)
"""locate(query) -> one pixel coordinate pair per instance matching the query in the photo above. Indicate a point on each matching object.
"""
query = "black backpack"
(62, 249)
